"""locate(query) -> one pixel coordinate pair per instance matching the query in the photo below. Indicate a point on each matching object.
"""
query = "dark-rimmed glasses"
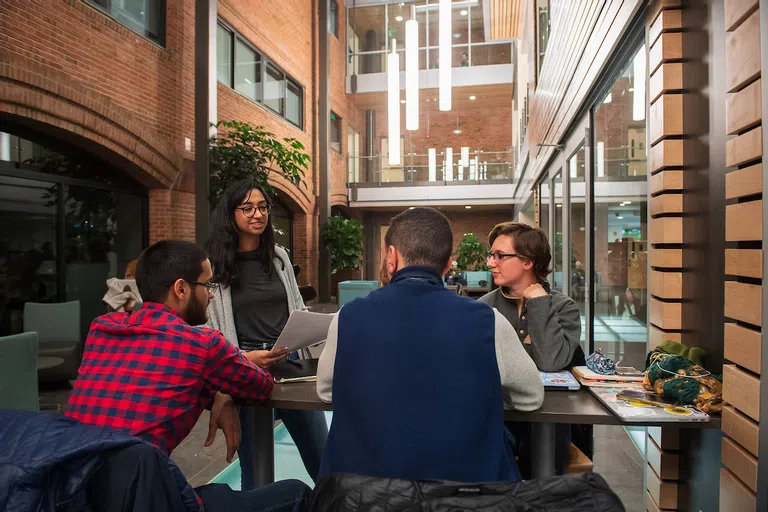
(250, 211)
(498, 256)
(212, 287)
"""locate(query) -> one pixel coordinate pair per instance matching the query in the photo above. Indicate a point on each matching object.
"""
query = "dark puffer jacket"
(46, 462)
(586, 492)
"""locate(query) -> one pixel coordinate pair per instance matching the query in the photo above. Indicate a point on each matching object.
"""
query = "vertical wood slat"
(742, 346)
(741, 429)
(744, 221)
(743, 302)
(744, 182)
(736, 11)
(744, 148)
(742, 54)
(739, 462)
(743, 110)
(741, 390)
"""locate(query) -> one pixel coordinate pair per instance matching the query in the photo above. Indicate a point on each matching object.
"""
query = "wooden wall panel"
(667, 203)
(667, 153)
(666, 438)
(665, 464)
(744, 262)
(668, 48)
(666, 315)
(666, 117)
(657, 336)
(741, 390)
(743, 302)
(742, 54)
(744, 221)
(741, 345)
(666, 258)
(669, 20)
(736, 11)
(744, 182)
(741, 429)
(734, 495)
(667, 181)
(667, 285)
(664, 493)
(745, 148)
(740, 462)
(668, 78)
(744, 109)
(666, 230)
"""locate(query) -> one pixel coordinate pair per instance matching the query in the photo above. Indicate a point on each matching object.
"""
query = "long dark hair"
(224, 240)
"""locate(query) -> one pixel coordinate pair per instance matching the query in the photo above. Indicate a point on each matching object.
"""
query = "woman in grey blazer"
(257, 293)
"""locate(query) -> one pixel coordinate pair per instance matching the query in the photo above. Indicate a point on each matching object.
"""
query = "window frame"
(338, 119)
(264, 62)
(333, 18)
(107, 11)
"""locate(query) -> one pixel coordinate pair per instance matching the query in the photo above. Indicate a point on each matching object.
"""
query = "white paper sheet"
(303, 330)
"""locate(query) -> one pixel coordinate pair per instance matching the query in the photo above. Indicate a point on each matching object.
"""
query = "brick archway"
(43, 97)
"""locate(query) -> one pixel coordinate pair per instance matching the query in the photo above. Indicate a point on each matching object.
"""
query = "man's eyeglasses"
(212, 287)
(250, 211)
(498, 256)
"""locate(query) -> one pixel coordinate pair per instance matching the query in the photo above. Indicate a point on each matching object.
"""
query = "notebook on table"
(559, 380)
(590, 378)
(633, 411)
(295, 370)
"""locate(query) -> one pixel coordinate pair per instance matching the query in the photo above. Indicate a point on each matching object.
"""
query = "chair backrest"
(18, 372)
(58, 322)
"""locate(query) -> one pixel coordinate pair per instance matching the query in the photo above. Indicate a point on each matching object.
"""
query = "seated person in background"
(420, 376)
(546, 320)
(151, 373)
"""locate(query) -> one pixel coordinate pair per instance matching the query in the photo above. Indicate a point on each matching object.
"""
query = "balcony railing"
(415, 170)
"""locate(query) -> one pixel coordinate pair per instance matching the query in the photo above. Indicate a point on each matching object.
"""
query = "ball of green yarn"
(683, 389)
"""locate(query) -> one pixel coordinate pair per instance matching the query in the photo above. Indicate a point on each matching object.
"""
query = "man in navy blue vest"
(420, 376)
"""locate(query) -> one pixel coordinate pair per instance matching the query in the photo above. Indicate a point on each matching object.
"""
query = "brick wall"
(171, 215)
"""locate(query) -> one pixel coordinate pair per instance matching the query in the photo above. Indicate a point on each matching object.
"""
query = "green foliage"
(344, 238)
(241, 150)
(471, 253)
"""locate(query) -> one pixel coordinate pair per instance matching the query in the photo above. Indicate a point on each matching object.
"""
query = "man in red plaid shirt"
(152, 372)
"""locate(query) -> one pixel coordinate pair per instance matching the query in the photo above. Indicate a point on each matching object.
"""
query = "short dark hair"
(423, 236)
(530, 242)
(163, 263)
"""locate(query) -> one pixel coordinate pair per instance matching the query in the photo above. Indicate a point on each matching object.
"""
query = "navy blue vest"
(416, 387)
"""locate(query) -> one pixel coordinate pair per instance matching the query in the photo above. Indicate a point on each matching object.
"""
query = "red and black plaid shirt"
(150, 373)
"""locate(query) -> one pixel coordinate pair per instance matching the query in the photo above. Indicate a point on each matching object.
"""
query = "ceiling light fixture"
(412, 72)
(468, 207)
(463, 12)
(448, 164)
(398, 18)
(559, 205)
(472, 98)
(402, 102)
(444, 54)
(627, 202)
(393, 92)
(620, 217)
(432, 155)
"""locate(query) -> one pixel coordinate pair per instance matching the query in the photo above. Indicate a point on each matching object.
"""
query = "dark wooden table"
(572, 407)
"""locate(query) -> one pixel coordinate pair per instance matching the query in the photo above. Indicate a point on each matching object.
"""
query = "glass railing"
(415, 169)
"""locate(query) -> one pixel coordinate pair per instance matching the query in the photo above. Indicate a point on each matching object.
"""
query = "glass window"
(542, 30)
(369, 25)
(577, 255)
(274, 89)
(223, 55)
(621, 213)
(247, 71)
(353, 155)
(333, 19)
(557, 256)
(544, 207)
(145, 17)
(294, 103)
(335, 132)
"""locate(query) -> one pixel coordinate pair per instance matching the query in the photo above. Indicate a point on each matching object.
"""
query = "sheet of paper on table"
(303, 330)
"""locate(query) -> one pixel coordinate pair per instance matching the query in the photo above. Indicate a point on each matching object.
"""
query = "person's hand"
(266, 358)
(534, 291)
(224, 416)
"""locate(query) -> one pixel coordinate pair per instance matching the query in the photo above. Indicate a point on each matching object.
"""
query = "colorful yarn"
(601, 364)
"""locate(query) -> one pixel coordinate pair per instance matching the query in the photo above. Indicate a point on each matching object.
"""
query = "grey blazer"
(220, 315)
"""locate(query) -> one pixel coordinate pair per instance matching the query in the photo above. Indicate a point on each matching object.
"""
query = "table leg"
(263, 449)
(543, 449)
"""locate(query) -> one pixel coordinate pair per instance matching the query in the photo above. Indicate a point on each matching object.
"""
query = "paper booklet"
(632, 412)
(303, 330)
(559, 380)
(585, 375)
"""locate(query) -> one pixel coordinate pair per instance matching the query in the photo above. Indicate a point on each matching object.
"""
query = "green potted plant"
(471, 253)
(344, 239)
(241, 150)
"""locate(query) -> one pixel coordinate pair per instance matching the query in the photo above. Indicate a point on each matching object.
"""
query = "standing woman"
(257, 293)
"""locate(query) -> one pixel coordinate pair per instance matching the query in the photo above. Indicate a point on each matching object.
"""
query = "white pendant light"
(393, 89)
(412, 72)
(448, 164)
(432, 155)
(444, 54)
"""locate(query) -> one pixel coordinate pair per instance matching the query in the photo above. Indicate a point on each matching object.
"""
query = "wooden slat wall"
(506, 18)
(669, 283)
(584, 34)
(743, 257)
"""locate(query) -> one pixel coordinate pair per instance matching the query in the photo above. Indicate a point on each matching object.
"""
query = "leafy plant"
(241, 150)
(471, 253)
(344, 238)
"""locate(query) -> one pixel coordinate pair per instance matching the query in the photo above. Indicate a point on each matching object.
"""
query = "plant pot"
(344, 275)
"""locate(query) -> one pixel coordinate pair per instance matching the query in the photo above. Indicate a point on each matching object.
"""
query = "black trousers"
(521, 446)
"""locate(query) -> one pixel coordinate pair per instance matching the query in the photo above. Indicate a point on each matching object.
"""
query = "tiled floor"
(618, 461)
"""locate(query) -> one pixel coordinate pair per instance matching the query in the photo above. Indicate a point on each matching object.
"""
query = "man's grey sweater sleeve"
(326, 363)
(520, 380)
(554, 331)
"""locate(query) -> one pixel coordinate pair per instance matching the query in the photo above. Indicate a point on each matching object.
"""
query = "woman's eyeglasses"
(498, 256)
(250, 211)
